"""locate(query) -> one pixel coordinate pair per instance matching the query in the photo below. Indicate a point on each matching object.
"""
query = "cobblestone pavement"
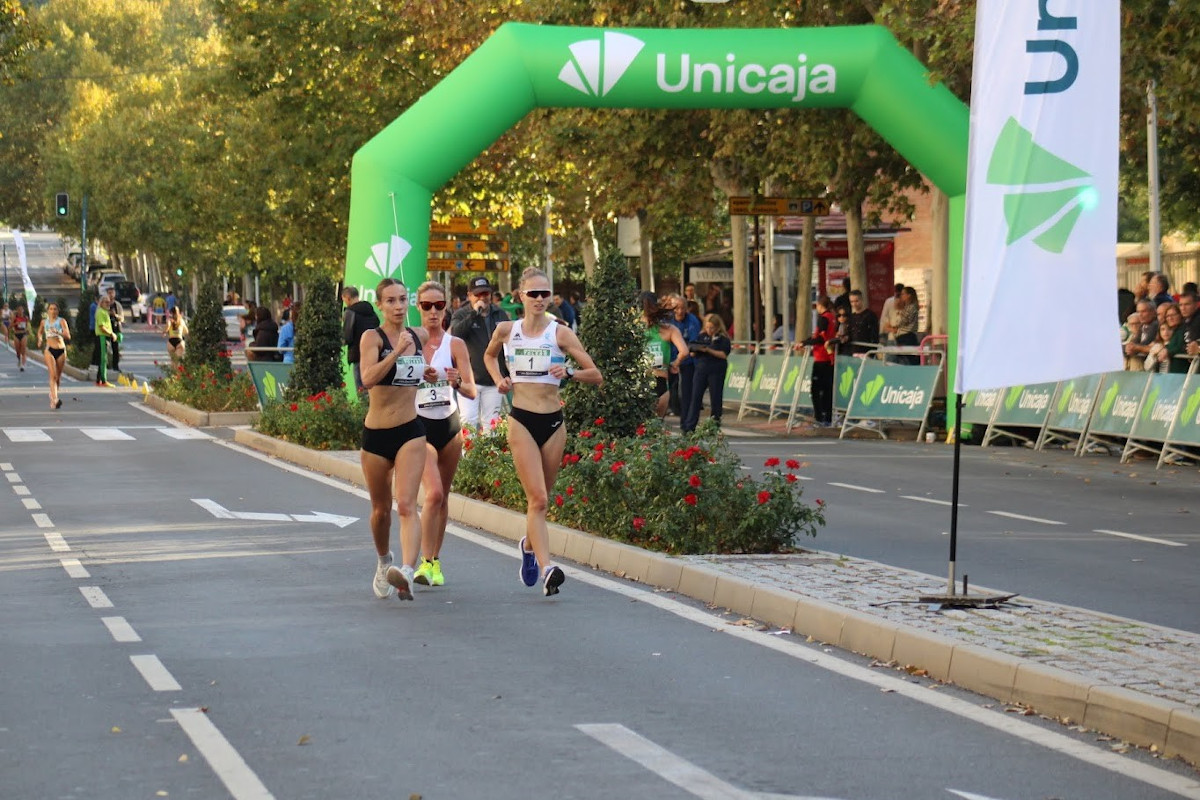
(1161, 662)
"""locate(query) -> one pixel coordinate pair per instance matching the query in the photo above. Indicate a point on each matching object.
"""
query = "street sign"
(468, 246)
(462, 225)
(778, 206)
(467, 264)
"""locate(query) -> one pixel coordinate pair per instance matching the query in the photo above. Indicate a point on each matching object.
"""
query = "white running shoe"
(402, 579)
(380, 585)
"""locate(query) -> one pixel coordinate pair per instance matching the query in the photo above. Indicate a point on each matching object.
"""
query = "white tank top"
(438, 400)
(529, 358)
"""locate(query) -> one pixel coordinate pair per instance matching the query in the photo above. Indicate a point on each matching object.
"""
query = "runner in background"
(661, 336)
(53, 335)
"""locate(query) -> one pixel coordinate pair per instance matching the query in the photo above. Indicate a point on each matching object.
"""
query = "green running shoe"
(436, 578)
(424, 573)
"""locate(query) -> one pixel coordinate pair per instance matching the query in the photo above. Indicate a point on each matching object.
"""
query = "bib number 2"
(408, 371)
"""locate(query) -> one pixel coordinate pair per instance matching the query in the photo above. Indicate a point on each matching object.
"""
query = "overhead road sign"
(467, 264)
(462, 225)
(778, 206)
(468, 246)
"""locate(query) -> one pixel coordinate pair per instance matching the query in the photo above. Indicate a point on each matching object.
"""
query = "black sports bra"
(385, 347)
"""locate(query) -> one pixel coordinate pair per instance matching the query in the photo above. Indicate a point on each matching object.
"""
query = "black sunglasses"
(537, 294)
(428, 304)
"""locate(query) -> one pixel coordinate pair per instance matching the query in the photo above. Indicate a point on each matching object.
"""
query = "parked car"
(127, 293)
(233, 322)
(98, 272)
(109, 280)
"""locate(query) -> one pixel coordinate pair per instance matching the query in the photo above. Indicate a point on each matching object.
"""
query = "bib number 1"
(531, 362)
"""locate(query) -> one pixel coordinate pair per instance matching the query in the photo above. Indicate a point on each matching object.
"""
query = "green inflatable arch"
(522, 67)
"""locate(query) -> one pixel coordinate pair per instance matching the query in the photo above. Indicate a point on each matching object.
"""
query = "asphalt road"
(153, 647)
(1090, 532)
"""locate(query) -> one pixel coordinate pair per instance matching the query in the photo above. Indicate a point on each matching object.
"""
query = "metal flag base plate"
(966, 600)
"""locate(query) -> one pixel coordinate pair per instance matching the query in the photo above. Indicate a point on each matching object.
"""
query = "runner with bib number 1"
(536, 348)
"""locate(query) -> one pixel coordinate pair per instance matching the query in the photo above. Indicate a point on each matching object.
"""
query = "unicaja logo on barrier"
(597, 64)
(388, 257)
(1047, 195)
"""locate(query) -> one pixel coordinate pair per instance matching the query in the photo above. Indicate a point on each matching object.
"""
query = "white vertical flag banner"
(30, 292)
(1039, 293)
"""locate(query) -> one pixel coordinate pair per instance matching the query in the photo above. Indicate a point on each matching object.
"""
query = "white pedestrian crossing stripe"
(129, 434)
(106, 434)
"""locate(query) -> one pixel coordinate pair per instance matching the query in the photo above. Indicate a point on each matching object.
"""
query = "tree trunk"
(939, 300)
(646, 261)
(590, 248)
(854, 245)
(804, 268)
(725, 176)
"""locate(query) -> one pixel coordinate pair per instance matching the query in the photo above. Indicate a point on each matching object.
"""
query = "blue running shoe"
(552, 578)
(529, 567)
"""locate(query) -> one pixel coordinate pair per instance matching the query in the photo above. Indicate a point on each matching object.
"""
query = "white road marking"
(57, 543)
(74, 568)
(220, 512)
(183, 433)
(6, 467)
(24, 435)
(858, 488)
(95, 596)
(931, 500)
(31, 504)
(1013, 726)
(670, 767)
(1011, 515)
(229, 766)
(21, 489)
(155, 674)
(1150, 539)
(106, 434)
(121, 630)
(12, 477)
(42, 520)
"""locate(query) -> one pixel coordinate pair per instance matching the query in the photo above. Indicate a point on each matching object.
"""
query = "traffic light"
(60, 204)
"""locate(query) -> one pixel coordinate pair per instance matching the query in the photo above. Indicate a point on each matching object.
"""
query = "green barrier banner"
(768, 372)
(979, 404)
(1071, 410)
(1187, 421)
(799, 370)
(845, 371)
(893, 391)
(1025, 406)
(737, 376)
(1161, 404)
(270, 379)
(522, 66)
(1117, 407)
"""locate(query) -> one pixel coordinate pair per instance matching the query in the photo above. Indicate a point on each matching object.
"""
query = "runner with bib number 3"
(536, 348)
(437, 406)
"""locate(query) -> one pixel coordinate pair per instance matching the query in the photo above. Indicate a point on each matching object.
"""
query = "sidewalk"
(1123, 678)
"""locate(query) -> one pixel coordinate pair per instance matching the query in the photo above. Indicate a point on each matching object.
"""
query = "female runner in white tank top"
(437, 406)
(535, 349)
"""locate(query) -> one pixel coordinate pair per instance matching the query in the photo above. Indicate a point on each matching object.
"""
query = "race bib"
(531, 362)
(654, 356)
(408, 371)
(434, 395)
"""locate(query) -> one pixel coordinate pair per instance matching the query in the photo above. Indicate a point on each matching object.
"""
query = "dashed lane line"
(121, 630)
(155, 674)
(1136, 537)
(21, 490)
(858, 488)
(95, 596)
(74, 568)
(31, 504)
(225, 761)
(931, 500)
(42, 520)
(1011, 515)
(57, 543)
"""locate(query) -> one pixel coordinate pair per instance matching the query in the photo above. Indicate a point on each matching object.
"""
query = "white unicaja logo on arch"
(597, 64)
(388, 257)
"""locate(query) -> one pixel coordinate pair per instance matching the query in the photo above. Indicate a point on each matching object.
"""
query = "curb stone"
(1169, 727)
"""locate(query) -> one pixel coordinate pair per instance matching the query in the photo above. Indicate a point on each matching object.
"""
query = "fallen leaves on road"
(305, 739)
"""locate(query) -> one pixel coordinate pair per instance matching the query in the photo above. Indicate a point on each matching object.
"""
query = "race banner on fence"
(979, 405)
(270, 379)
(845, 373)
(892, 392)
(737, 377)
(1023, 407)
(797, 385)
(1187, 421)
(1160, 405)
(768, 374)
(1070, 410)
(1117, 407)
